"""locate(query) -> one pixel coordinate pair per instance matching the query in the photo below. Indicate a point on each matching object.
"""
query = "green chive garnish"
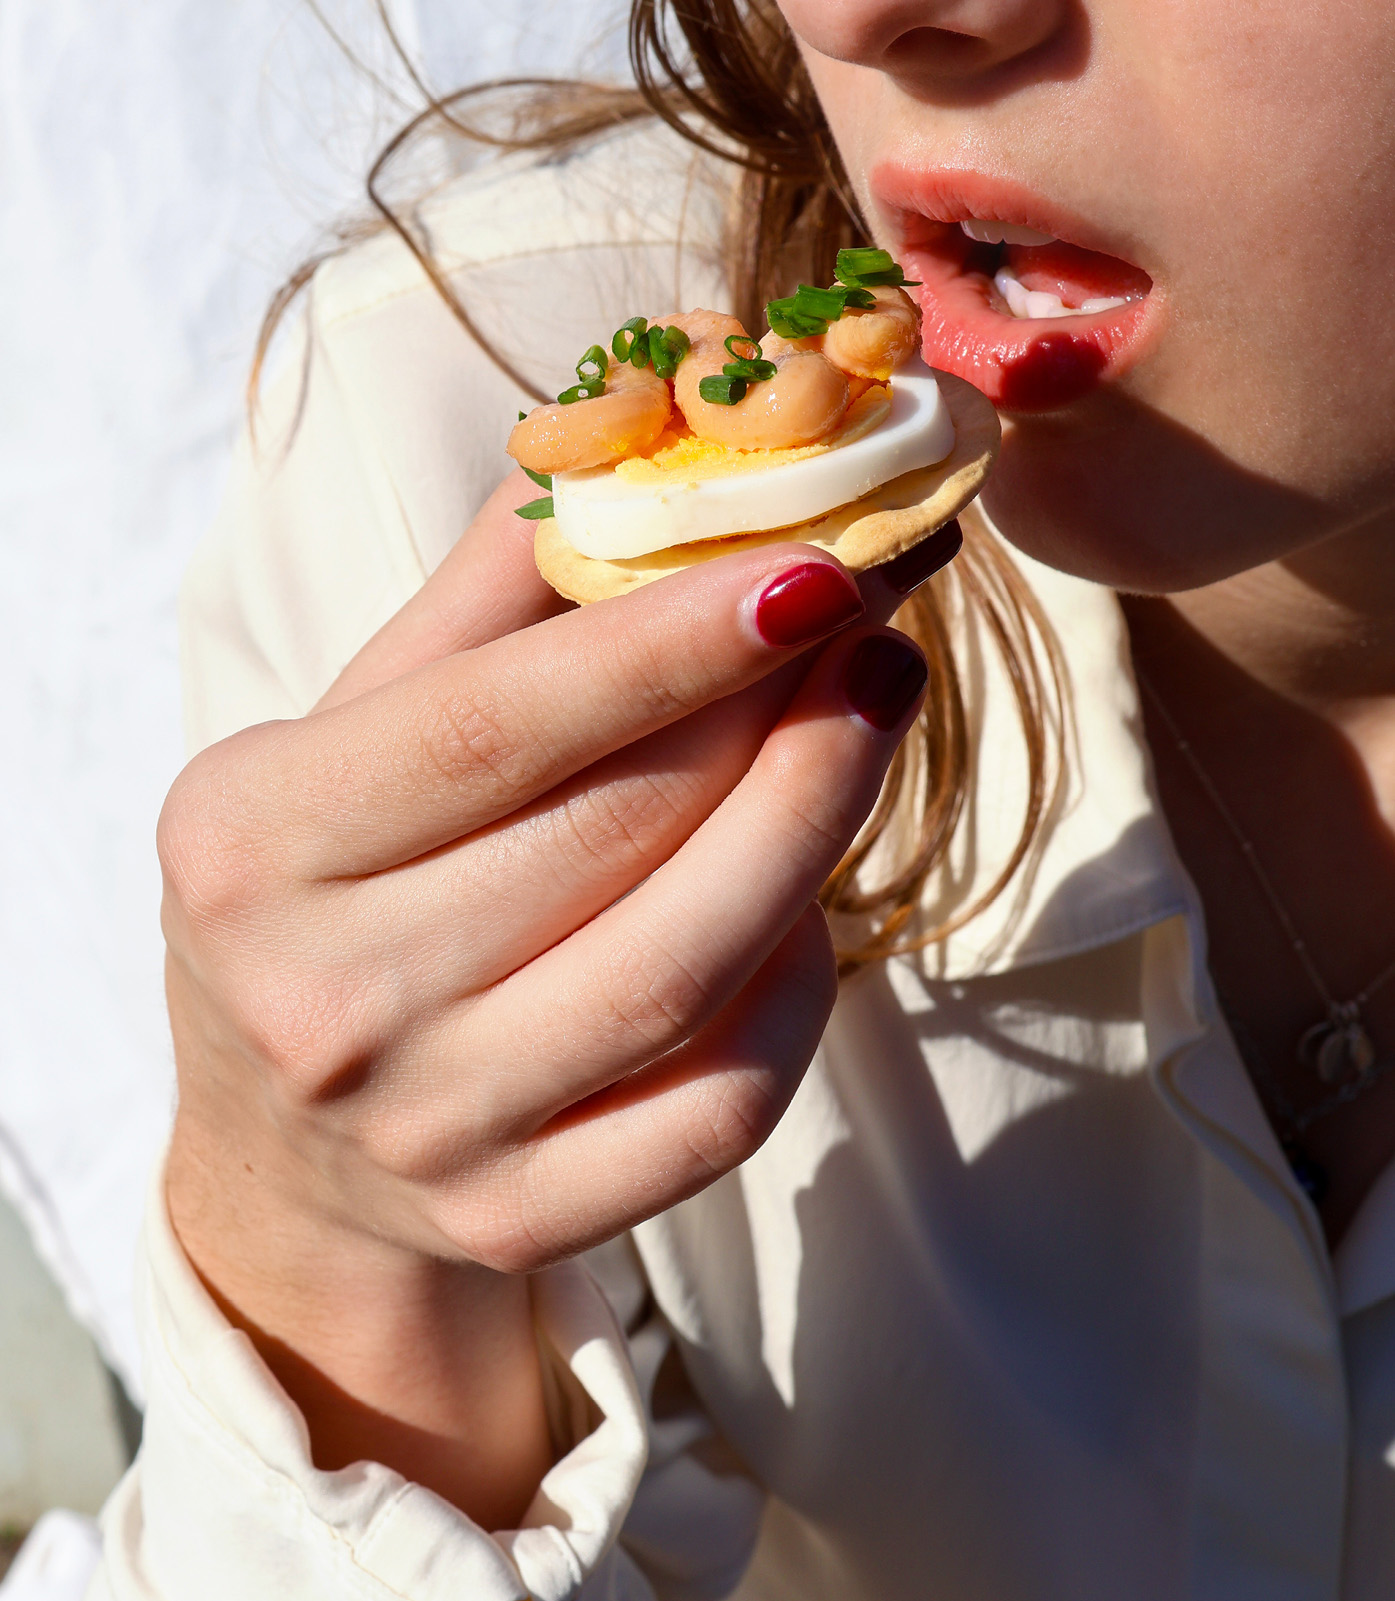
(808, 312)
(599, 363)
(536, 510)
(863, 267)
(790, 321)
(753, 369)
(664, 348)
(751, 372)
(592, 389)
(626, 343)
(542, 480)
(658, 354)
(825, 303)
(722, 391)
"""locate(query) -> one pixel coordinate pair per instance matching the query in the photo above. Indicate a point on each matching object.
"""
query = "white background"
(163, 164)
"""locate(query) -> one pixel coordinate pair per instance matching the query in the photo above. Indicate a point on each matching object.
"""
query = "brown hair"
(727, 76)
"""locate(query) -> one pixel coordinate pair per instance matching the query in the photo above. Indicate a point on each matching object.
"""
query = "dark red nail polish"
(806, 603)
(912, 567)
(882, 679)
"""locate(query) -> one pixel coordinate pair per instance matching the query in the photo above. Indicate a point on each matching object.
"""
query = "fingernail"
(912, 567)
(806, 603)
(882, 679)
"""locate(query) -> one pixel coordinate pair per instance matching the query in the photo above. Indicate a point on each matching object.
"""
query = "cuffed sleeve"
(224, 1502)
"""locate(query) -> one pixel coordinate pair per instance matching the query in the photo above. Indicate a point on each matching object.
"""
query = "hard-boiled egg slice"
(682, 495)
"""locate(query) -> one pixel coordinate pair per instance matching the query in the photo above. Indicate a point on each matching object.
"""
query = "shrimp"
(627, 418)
(875, 342)
(801, 404)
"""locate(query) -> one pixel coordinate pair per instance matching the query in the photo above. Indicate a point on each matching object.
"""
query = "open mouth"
(1033, 317)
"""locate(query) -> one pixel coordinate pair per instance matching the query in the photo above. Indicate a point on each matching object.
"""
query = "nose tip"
(927, 38)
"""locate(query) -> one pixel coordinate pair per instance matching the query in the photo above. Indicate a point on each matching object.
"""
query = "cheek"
(1272, 166)
(853, 99)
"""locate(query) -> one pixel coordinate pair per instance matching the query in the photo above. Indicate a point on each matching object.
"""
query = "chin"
(1112, 491)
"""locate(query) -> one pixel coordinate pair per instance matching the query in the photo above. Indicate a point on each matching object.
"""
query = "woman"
(1042, 1280)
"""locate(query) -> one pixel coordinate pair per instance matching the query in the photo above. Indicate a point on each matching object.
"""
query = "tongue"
(1076, 275)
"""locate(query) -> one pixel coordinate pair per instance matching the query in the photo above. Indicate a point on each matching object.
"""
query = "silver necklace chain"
(1338, 1048)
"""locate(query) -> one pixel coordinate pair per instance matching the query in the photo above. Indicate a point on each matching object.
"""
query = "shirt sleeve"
(377, 444)
(224, 1502)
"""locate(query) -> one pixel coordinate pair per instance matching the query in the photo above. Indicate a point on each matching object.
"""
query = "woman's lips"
(1021, 363)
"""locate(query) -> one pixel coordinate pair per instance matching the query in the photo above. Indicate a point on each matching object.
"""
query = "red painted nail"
(882, 679)
(911, 568)
(806, 603)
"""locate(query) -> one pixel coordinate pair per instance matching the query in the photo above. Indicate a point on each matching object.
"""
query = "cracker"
(870, 531)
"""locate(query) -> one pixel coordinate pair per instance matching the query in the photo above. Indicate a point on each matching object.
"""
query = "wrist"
(392, 1354)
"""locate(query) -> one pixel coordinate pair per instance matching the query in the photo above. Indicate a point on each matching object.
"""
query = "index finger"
(460, 743)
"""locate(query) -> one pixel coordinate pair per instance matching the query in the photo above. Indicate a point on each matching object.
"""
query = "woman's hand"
(509, 944)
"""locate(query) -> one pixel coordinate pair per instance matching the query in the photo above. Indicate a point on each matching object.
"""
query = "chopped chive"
(627, 337)
(864, 267)
(667, 347)
(753, 368)
(814, 302)
(536, 510)
(860, 299)
(542, 480)
(790, 322)
(591, 389)
(859, 261)
(658, 353)
(722, 391)
(522, 415)
(599, 363)
(753, 372)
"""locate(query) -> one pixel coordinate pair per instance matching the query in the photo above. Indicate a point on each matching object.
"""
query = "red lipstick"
(1021, 364)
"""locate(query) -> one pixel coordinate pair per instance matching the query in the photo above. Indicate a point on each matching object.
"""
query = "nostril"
(932, 39)
(955, 52)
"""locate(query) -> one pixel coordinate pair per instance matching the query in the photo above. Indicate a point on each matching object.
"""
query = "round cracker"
(870, 531)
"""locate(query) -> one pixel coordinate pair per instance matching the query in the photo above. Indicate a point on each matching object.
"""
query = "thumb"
(486, 587)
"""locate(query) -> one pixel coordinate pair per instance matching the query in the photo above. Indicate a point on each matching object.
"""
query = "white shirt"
(1020, 1301)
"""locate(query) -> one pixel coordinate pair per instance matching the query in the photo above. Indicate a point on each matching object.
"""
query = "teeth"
(1032, 304)
(1003, 233)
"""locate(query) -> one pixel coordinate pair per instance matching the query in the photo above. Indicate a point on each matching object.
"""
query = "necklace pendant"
(1336, 1049)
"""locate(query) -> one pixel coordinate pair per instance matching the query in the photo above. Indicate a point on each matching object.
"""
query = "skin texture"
(363, 908)
(1240, 470)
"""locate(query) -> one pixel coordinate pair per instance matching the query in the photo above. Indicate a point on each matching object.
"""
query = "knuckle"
(214, 862)
(311, 1033)
(653, 677)
(650, 999)
(500, 1229)
(622, 823)
(815, 823)
(466, 741)
(734, 1117)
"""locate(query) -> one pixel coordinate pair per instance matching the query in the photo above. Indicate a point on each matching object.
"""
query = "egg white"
(601, 515)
